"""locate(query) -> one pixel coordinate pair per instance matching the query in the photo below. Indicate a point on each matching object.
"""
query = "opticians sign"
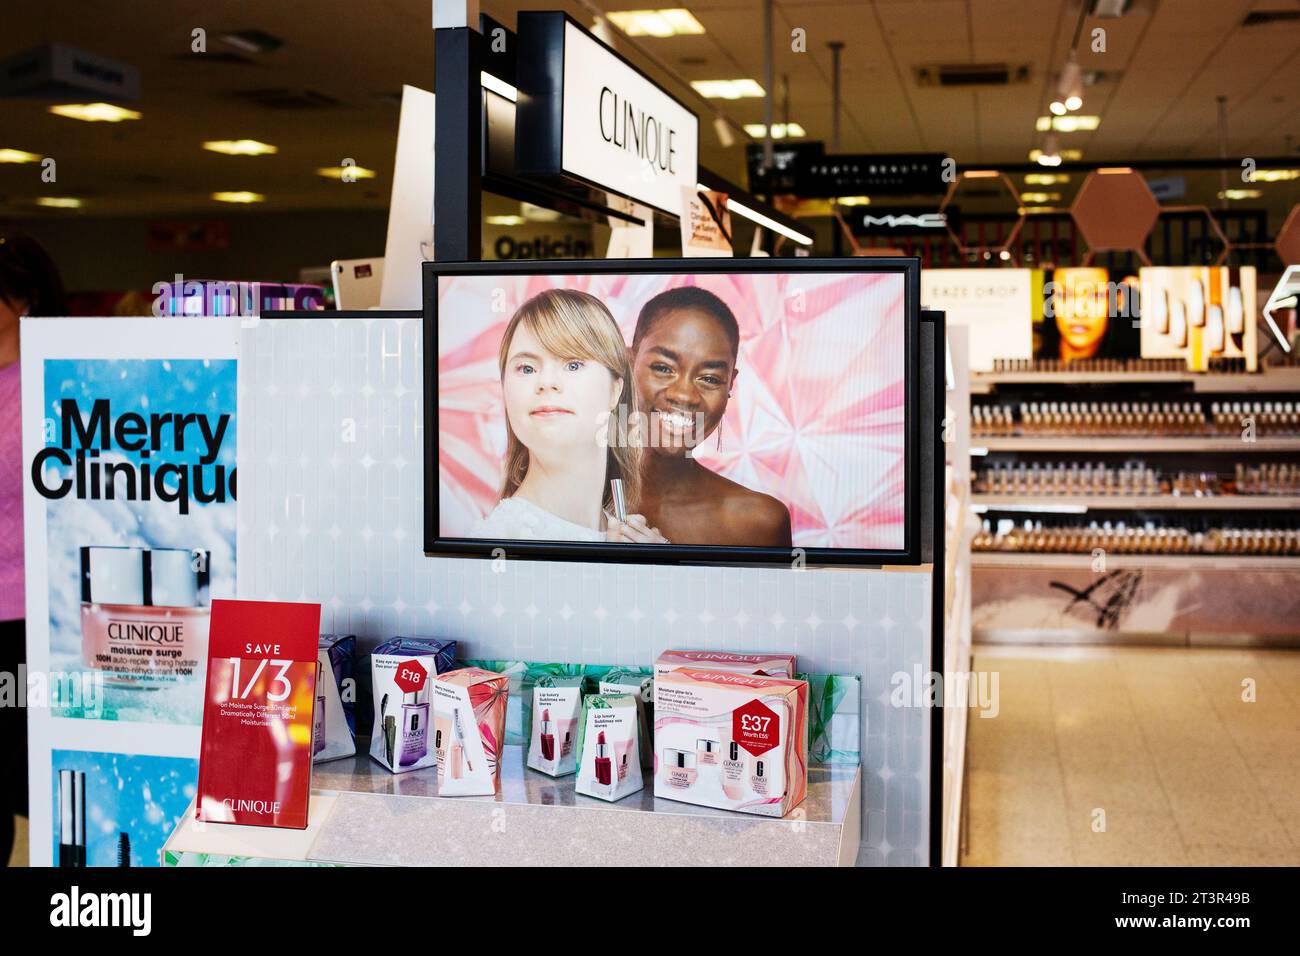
(585, 112)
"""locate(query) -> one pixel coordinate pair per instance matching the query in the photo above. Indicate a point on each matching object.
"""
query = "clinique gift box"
(469, 728)
(557, 705)
(641, 687)
(731, 741)
(401, 671)
(762, 665)
(332, 719)
(609, 765)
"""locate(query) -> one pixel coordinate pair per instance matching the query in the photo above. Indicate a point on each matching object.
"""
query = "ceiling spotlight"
(1050, 154)
(95, 112)
(18, 156)
(339, 172)
(59, 202)
(727, 89)
(1070, 88)
(240, 196)
(240, 147)
(779, 130)
(675, 21)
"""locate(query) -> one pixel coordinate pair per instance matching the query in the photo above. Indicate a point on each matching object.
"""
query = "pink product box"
(762, 665)
(731, 741)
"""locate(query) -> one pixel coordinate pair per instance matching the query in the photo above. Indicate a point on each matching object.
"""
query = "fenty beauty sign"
(622, 132)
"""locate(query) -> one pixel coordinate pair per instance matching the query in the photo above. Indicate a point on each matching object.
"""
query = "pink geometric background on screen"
(816, 418)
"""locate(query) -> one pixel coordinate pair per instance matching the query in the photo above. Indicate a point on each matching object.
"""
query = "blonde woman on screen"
(564, 374)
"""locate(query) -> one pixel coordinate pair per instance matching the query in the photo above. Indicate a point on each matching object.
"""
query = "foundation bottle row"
(1136, 418)
(1121, 538)
(1133, 479)
(1218, 365)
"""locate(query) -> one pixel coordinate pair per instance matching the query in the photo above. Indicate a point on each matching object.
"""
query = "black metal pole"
(458, 146)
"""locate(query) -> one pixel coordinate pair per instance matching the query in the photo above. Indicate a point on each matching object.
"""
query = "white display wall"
(331, 498)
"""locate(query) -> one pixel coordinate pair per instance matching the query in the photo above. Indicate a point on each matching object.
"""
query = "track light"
(1069, 90)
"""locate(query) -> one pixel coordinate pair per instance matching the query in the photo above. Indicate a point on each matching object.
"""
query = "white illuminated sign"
(621, 131)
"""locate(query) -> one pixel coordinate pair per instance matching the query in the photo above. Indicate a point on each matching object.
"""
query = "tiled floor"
(1125, 756)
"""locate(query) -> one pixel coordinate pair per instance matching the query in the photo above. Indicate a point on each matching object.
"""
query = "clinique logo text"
(637, 131)
(81, 443)
(142, 632)
(251, 806)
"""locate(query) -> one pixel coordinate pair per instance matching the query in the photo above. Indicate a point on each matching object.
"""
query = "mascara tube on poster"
(620, 503)
(72, 818)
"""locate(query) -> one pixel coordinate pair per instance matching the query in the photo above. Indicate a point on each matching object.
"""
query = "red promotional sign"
(755, 727)
(410, 676)
(255, 759)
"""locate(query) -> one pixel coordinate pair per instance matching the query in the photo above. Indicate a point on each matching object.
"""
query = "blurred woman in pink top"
(29, 285)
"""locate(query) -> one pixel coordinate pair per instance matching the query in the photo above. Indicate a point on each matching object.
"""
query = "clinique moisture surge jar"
(144, 614)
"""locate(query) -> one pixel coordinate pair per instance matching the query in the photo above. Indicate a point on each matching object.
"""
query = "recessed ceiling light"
(506, 220)
(241, 196)
(727, 89)
(1040, 197)
(1069, 155)
(1276, 175)
(18, 156)
(675, 21)
(95, 112)
(240, 147)
(59, 202)
(981, 174)
(779, 130)
(336, 172)
(1046, 179)
(1074, 123)
(1240, 193)
(854, 200)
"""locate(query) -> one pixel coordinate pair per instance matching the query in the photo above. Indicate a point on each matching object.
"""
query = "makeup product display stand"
(363, 815)
(1142, 505)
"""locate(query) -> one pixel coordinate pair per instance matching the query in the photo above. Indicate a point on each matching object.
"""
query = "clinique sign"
(638, 132)
(618, 130)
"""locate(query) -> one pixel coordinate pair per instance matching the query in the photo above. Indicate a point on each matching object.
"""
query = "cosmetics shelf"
(363, 815)
(1187, 444)
(1142, 502)
(1285, 379)
(1186, 562)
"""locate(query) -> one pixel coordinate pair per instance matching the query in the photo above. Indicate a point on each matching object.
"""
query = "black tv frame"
(911, 552)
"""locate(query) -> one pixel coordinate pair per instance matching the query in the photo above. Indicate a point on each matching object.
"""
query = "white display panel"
(330, 511)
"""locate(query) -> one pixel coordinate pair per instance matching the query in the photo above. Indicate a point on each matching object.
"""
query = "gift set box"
(731, 741)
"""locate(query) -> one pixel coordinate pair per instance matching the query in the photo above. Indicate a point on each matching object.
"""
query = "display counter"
(363, 815)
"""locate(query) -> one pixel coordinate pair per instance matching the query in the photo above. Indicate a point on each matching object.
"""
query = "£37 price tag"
(755, 727)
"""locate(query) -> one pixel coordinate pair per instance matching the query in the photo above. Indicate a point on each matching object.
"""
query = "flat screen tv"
(721, 411)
